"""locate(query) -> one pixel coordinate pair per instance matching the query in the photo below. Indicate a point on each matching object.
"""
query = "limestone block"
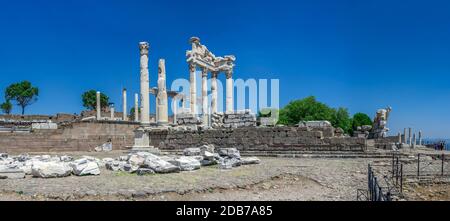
(50, 169)
(158, 165)
(186, 163)
(84, 167)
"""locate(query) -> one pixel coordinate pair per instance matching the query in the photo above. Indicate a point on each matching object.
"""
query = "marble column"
(214, 92)
(161, 97)
(399, 138)
(420, 138)
(183, 103)
(404, 136)
(414, 140)
(99, 106)
(136, 107)
(112, 112)
(175, 110)
(410, 136)
(229, 93)
(145, 83)
(193, 98)
(124, 105)
(205, 96)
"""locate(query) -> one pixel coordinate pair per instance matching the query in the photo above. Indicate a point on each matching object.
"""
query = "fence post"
(396, 173)
(418, 165)
(393, 163)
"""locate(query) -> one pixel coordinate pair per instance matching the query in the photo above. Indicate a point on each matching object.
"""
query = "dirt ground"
(273, 179)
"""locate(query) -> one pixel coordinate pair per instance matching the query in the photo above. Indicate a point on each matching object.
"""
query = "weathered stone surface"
(66, 158)
(250, 160)
(192, 152)
(84, 167)
(314, 124)
(229, 152)
(207, 148)
(144, 171)
(158, 165)
(115, 165)
(186, 163)
(11, 172)
(50, 169)
(137, 159)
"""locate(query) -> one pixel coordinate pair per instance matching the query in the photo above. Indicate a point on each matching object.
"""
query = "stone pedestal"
(112, 113)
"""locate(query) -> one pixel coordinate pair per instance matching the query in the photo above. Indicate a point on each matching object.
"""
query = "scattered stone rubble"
(362, 131)
(141, 163)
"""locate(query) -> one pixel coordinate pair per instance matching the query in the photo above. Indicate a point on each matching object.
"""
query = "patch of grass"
(20, 192)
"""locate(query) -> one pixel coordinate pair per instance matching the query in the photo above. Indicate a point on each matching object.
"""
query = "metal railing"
(374, 192)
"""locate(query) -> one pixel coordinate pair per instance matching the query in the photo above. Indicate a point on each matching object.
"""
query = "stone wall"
(58, 118)
(386, 143)
(257, 139)
(79, 136)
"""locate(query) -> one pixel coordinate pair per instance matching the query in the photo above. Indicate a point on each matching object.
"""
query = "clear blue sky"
(362, 55)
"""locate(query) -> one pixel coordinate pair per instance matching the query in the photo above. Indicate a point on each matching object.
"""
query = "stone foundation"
(256, 139)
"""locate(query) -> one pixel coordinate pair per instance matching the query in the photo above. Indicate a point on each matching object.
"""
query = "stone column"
(399, 138)
(112, 112)
(145, 83)
(183, 103)
(136, 107)
(124, 105)
(205, 96)
(161, 97)
(409, 136)
(404, 136)
(99, 106)
(214, 92)
(229, 96)
(420, 138)
(192, 79)
(414, 141)
(175, 110)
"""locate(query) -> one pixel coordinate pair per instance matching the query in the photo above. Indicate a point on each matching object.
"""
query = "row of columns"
(410, 137)
(112, 108)
(214, 75)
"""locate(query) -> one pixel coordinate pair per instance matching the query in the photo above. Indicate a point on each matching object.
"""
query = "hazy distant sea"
(447, 142)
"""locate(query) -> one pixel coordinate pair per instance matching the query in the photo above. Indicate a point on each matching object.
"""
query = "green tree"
(360, 119)
(132, 112)
(307, 109)
(89, 99)
(23, 93)
(341, 118)
(6, 107)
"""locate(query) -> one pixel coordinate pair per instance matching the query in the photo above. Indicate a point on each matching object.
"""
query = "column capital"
(192, 67)
(214, 74)
(144, 46)
(204, 72)
(229, 74)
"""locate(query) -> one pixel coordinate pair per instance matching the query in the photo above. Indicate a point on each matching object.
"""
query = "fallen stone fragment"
(186, 163)
(115, 165)
(84, 167)
(192, 152)
(207, 162)
(207, 147)
(137, 159)
(3, 155)
(130, 168)
(144, 171)
(229, 163)
(250, 160)
(66, 158)
(229, 152)
(50, 169)
(158, 165)
(11, 172)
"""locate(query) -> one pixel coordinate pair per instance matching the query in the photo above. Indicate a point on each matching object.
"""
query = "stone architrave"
(99, 107)
(161, 97)
(145, 83)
